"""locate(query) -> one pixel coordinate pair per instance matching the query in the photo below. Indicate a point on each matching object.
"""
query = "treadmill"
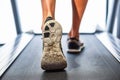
(99, 60)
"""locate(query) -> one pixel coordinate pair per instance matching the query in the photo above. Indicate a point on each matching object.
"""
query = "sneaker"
(74, 45)
(53, 57)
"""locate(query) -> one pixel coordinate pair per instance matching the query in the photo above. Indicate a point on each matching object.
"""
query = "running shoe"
(52, 57)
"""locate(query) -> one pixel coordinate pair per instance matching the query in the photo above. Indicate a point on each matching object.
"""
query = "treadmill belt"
(94, 63)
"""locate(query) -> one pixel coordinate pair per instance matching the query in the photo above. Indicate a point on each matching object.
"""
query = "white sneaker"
(53, 57)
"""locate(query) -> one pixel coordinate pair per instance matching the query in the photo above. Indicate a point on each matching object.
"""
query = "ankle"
(73, 35)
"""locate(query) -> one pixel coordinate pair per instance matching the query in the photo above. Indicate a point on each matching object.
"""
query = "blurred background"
(30, 16)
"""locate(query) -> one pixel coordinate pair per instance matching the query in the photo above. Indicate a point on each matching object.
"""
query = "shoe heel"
(52, 32)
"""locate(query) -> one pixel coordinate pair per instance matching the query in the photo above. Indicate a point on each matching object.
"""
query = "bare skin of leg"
(48, 9)
(78, 8)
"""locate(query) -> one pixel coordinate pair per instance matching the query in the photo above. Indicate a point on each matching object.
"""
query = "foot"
(74, 45)
(53, 57)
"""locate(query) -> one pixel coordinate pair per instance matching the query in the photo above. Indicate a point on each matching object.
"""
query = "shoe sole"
(52, 33)
(75, 50)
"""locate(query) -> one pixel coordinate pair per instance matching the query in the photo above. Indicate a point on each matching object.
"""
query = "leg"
(53, 58)
(48, 9)
(78, 8)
